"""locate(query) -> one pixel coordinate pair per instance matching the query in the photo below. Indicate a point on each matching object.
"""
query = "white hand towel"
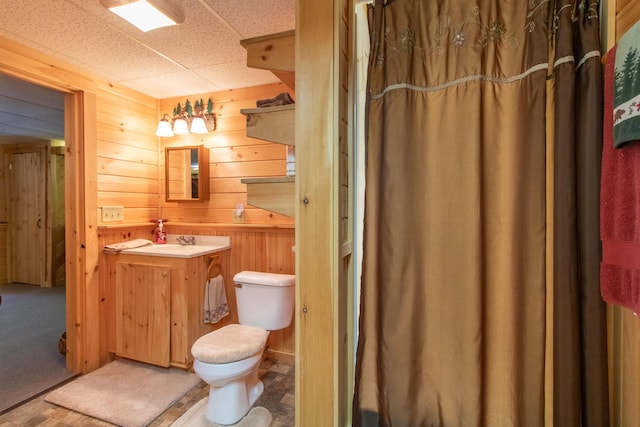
(215, 300)
(115, 248)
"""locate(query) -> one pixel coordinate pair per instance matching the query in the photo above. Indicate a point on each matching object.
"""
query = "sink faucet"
(186, 240)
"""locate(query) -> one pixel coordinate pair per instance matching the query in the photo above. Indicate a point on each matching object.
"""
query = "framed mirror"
(187, 173)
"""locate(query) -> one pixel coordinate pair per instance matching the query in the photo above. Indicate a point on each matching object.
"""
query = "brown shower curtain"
(480, 299)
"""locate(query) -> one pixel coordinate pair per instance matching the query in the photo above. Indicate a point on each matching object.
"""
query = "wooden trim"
(74, 231)
(90, 220)
(316, 211)
(610, 8)
(81, 247)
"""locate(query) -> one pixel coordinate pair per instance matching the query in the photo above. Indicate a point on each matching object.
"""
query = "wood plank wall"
(127, 158)
(258, 247)
(232, 156)
(623, 325)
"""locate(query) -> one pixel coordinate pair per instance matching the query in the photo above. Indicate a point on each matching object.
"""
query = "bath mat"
(124, 392)
(195, 417)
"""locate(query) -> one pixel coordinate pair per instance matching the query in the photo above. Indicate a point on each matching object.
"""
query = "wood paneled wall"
(257, 247)
(623, 325)
(232, 156)
(127, 171)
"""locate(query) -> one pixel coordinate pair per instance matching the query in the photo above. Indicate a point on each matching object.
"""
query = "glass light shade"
(164, 128)
(198, 125)
(143, 15)
(180, 127)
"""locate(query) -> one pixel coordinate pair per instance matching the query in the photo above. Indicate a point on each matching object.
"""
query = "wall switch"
(112, 213)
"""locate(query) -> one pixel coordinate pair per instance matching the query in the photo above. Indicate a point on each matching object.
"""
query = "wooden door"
(27, 218)
(143, 312)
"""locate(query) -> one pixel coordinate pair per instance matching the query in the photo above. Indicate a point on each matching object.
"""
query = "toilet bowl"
(228, 359)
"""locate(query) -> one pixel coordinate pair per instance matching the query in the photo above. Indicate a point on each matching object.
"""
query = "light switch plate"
(112, 213)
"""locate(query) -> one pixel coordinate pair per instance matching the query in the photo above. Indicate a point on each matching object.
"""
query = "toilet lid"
(229, 344)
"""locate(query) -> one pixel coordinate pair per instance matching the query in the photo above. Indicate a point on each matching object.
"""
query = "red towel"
(619, 210)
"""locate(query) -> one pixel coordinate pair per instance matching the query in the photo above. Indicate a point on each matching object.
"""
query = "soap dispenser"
(161, 235)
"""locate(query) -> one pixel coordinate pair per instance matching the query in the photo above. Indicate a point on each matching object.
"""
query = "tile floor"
(279, 398)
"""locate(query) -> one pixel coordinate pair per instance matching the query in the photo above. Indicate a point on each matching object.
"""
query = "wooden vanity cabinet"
(143, 315)
(157, 308)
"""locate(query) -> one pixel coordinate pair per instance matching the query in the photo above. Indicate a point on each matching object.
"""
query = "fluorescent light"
(145, 14)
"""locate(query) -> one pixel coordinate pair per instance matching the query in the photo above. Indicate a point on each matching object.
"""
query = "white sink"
(204, 245)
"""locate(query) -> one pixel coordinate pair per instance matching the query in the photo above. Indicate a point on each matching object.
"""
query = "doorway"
(32, 205)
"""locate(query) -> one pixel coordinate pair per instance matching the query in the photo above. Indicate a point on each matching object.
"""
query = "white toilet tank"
(265, 300)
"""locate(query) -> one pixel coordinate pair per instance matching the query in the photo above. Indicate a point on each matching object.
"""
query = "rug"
(195, 417)
(124, 392)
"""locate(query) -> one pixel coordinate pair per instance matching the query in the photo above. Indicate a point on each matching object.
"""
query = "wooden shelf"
(276, 53)
(275, 124)
(275, 194)
(273, 52)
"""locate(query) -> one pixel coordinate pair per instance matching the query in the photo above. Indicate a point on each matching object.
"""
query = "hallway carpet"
(31, 322)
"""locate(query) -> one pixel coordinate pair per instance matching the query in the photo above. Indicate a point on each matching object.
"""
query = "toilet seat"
(229, 344)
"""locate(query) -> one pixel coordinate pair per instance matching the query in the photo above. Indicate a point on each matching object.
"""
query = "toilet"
(228, 359)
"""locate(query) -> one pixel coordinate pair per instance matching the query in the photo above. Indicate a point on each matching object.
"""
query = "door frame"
(81, 250)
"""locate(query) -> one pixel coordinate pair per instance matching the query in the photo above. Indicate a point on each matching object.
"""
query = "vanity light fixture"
(146, 15)
(187, 119)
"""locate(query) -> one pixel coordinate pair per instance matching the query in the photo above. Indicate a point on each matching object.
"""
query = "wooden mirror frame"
(176, 163)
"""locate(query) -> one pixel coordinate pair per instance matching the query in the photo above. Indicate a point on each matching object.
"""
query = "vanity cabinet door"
(143, 312)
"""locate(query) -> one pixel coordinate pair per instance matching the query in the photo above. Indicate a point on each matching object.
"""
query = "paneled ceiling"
(29, 112)
(201, 55)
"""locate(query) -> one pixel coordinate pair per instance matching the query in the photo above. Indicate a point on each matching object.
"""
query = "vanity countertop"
(204, 245)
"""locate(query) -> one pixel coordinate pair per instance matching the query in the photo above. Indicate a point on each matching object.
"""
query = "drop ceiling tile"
(175, 84)
(237, 75)
(253, 18)
(201, 40)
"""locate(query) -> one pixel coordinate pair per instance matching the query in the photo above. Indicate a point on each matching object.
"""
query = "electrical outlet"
(112, 213)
